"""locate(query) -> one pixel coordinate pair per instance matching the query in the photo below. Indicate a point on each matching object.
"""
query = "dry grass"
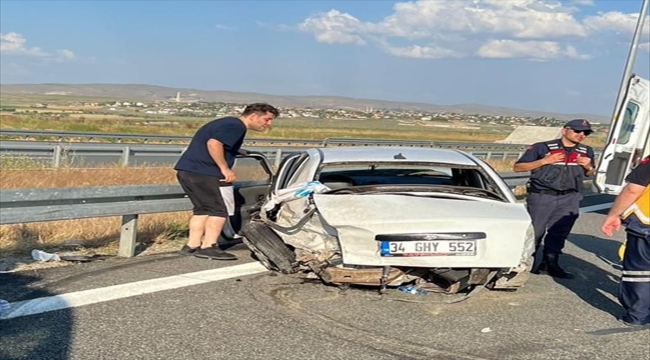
(71, 177)
(95, 232)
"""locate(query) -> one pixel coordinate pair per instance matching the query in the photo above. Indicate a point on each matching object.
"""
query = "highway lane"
(261, 316)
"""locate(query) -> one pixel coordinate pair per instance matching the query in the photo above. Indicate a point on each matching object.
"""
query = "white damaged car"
(442, 220)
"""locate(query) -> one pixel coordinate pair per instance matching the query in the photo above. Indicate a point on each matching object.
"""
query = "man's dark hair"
(260, 108)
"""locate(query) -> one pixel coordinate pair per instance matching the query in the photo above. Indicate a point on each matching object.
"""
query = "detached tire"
(269, 248)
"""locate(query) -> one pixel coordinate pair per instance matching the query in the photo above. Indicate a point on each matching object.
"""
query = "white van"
(628, 141)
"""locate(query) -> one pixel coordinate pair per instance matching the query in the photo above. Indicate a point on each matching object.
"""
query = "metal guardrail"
(35, 205)
(329, 142)
(61, 136)
(19, 206)
(85, 154)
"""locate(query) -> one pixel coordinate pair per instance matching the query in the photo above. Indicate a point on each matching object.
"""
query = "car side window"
(284, 171)
(627, 126)
(299, 175)
(251, 169)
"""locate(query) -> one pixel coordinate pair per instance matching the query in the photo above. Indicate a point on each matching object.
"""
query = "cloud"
(582, 2)
(532, 29)
(334, 27)
(224, 27)
(278, 27)
(15, 44)
(614, 21)
(534, 50)
(421, 52)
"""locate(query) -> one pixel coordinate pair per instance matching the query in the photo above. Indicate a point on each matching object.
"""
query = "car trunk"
(418, 231)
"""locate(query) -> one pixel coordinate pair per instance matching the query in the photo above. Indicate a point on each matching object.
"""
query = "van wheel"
(269, 248)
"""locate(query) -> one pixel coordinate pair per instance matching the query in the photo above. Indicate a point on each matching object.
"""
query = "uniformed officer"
(633, 206)
(558, 168)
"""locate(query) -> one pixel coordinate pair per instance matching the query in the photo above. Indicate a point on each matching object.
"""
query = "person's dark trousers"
(634, 293)
(553, 215)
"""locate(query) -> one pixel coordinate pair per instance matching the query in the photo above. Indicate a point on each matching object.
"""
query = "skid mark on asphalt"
(283, 296)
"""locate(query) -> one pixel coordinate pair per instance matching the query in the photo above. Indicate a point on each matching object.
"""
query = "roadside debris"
(44, 256)
(411, 289)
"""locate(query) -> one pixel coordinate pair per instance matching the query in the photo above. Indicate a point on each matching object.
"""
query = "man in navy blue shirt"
(205, 165)
(558, 168)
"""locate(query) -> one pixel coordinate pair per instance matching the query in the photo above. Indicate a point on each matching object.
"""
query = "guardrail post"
(56, 159)
(128, 235)
(126, 154)
(489, 155)
(278, 157)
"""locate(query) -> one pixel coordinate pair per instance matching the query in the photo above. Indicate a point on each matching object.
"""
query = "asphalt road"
(269, 316)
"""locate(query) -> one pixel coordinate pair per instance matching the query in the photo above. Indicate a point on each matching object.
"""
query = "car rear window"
(401, 174)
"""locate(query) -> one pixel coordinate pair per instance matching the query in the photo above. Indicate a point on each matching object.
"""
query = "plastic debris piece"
(294, 192)
(44, 256)
(486, 330)
(411, 289)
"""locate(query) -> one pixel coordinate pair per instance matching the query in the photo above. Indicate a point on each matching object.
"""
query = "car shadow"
(595, 284)
(39, 336)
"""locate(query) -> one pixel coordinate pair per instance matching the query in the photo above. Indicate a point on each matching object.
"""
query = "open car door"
(254, 176)
(628, 139)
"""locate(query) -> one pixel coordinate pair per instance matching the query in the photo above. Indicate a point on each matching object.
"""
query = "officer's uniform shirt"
(637, 217)
(561, 176)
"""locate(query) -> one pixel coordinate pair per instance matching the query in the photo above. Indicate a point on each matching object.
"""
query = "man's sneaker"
(214, 253)
(186, 250)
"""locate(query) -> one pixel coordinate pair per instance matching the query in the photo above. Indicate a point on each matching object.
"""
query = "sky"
(558, 56)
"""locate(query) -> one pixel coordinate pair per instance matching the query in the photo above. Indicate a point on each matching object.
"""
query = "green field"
(64, 113)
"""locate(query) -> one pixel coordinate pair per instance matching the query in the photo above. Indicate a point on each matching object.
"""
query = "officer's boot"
(538, 261)
(553, 268)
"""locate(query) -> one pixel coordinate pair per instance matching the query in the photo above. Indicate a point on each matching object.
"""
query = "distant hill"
(153, 92)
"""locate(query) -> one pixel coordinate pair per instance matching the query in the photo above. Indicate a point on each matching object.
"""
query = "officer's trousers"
(553, 215)
(634, 293)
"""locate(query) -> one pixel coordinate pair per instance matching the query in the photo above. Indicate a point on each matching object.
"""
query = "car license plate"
(429, 248)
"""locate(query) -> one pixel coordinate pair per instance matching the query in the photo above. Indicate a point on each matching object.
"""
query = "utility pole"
(631, 57)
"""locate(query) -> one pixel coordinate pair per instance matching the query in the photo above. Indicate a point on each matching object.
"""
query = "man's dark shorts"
(204, 193)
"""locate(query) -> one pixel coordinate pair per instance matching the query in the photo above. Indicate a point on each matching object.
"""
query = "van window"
(631, 111)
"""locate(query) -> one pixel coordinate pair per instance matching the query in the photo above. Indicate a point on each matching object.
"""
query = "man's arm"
(630, 193)
(529, 166)
(215, 148)
(549, 158)
(590, 167)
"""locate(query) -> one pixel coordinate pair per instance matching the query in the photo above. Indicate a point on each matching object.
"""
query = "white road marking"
(593, 208)
(93, 296)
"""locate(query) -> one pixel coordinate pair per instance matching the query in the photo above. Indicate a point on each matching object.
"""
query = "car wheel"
(269, 248)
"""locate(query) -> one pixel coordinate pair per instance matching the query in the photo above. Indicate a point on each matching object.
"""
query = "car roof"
(391, 154)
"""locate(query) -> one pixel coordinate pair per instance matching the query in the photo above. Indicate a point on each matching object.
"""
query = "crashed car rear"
(440, 219)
